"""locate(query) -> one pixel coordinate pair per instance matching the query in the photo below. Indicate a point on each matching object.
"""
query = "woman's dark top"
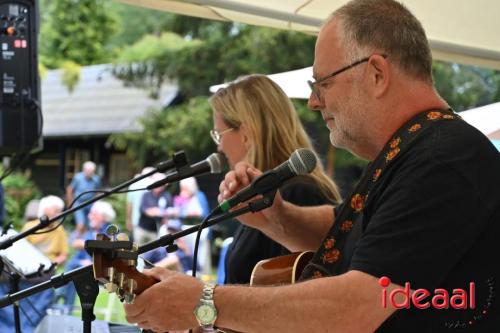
(251, 246)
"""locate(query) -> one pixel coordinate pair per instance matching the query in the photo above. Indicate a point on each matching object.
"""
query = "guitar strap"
(328, 260)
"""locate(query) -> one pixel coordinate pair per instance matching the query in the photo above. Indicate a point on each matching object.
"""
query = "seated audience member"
(101, 215)
(153, 209)
(54, 245)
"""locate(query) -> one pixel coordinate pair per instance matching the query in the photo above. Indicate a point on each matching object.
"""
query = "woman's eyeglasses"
(217, 136)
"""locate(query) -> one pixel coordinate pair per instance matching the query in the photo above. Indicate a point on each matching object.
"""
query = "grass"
(107, 307)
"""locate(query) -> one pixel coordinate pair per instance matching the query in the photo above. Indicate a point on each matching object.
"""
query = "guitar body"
(280, 270)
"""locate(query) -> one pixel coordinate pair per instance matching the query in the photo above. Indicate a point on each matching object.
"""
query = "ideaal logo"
(460, 299)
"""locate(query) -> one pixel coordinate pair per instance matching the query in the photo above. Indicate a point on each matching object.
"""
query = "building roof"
(100, 104)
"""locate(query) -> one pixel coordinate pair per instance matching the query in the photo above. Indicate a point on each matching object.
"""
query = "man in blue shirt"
(153, 209)
(86, 180)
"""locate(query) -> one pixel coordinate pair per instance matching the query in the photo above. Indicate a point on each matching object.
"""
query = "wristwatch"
(205, 312)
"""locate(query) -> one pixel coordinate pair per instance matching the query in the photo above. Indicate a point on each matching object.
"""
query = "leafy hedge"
(19, 190)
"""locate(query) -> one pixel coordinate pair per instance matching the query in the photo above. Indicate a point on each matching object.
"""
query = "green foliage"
(153, 59)
(119, 203)
(210, 53)
(465, 87)
(76, 30)
(185, 126)
(19, 190)
(133, 23)
(42, 70)
(70, 74)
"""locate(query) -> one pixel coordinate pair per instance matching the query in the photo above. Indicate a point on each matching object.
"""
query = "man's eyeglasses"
(314, 85)
(217, 136)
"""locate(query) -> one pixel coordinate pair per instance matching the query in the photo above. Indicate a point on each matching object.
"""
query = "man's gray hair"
(105, 209)
(385, 26)
(49, 201)
(89, 165)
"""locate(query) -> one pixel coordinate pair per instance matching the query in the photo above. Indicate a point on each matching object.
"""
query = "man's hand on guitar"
(234, 181)
(167, 305)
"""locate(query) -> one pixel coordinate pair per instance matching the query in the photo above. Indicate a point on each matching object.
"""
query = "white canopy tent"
(293, 83)
(461, 31)
(487, 120)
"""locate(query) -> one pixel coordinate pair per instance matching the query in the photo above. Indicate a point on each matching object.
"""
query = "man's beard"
(347, 130)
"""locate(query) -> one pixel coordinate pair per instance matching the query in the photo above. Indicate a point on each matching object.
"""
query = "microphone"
(302, 161)
(214, 163)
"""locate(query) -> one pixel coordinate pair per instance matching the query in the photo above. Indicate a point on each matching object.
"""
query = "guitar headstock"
(114, 263)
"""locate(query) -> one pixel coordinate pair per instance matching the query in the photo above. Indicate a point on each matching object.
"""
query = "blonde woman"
(254, 121)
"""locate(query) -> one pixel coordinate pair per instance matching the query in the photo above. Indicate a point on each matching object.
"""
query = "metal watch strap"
(207, 293)
(207, 297)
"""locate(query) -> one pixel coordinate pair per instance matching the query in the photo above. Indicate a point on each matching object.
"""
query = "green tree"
(70, 74)
(153, 59)
(19, 190)
(133, 23)
(465, 87)
(76, 30)
(210, 53)
(185, 127)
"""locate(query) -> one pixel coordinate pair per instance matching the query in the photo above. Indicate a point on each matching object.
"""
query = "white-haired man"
(101, 215)
(53, 244)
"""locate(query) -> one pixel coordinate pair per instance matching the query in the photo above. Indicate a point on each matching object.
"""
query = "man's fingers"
(133, 312)
(158, 273)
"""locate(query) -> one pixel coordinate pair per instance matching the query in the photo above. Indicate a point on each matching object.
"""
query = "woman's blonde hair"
(271, 123)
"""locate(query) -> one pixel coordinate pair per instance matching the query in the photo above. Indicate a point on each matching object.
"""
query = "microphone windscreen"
(217, 162)
(303, 161)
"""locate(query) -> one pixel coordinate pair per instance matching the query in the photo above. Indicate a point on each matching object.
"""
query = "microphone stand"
(83, 277)
(178, 161)
(14, 276)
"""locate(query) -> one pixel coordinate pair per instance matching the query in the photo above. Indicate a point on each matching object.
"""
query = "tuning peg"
(111, 274)
(135, 248)
(111, 287)
(120, 277)
(131, 285)
(129, 298)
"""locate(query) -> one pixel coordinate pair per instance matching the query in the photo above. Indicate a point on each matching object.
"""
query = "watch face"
(205, 314)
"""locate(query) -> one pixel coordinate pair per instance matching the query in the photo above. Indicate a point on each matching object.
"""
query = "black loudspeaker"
(20, 112)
